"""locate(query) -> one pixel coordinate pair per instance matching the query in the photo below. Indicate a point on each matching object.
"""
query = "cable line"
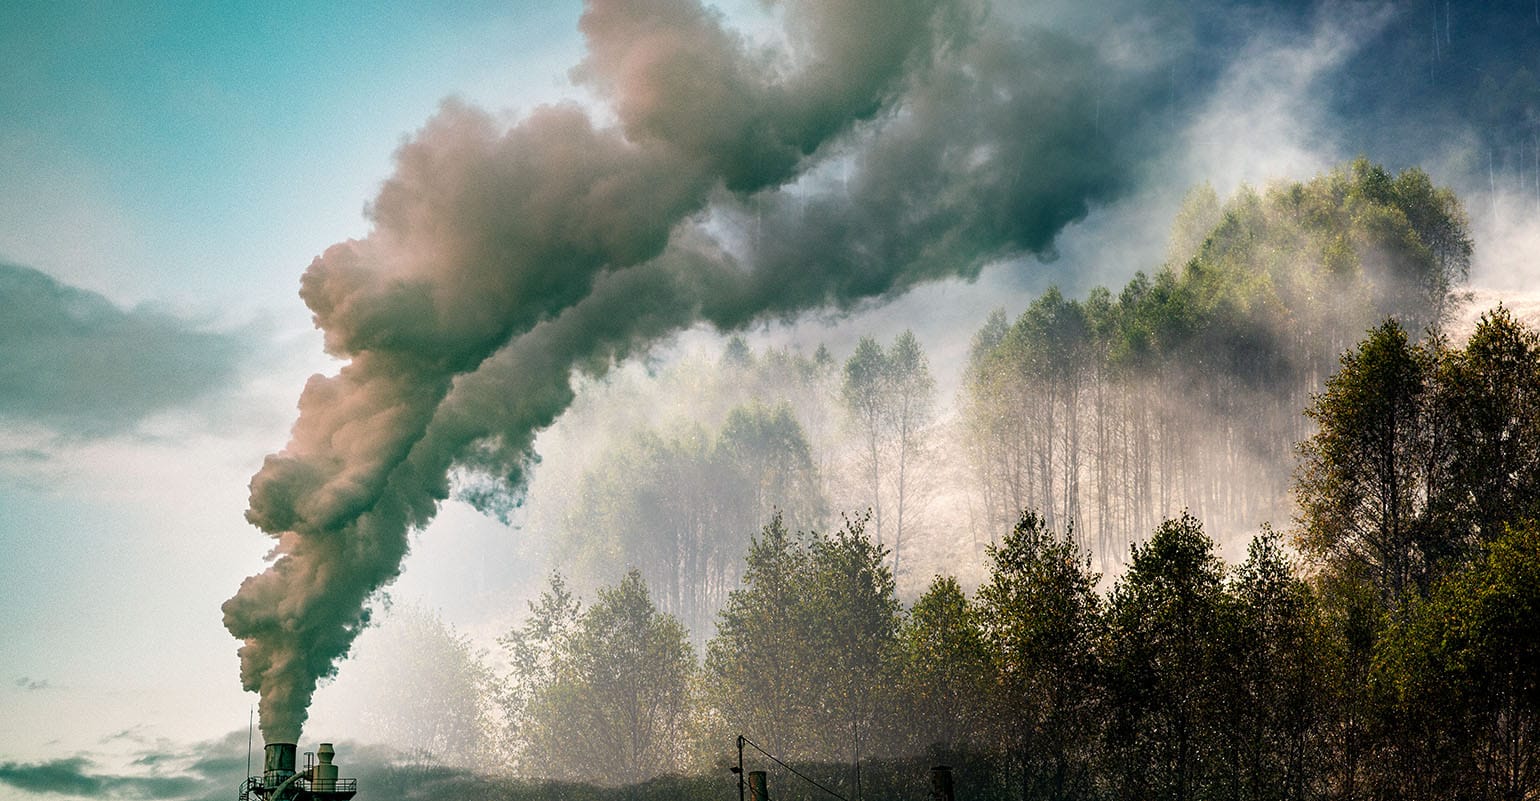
(799, 774)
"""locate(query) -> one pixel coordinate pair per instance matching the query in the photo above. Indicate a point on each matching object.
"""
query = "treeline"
(1183, 390)
(1400, 660)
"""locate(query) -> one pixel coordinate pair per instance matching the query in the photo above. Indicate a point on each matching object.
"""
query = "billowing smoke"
(879, 144)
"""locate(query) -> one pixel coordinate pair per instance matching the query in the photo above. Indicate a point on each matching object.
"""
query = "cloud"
(74, 363)
(61, 776)
(209, 770)
(75, 777)
(214, 770)
(30, 684)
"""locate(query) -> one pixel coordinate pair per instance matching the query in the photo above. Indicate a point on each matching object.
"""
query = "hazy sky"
(169, 170)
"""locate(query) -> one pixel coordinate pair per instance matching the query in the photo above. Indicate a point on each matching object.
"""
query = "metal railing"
(255, 788)
(328, 785)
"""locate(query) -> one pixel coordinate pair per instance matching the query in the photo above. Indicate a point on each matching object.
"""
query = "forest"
(1030, 583)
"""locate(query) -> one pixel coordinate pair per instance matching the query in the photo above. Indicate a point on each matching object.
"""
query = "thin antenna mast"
(251, 716)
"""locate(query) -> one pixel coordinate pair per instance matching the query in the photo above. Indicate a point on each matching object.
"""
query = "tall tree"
(1492, 390)
(994, 433)
(1367, 474)
(1166, 620)
(1273, 691)
(865, 394)
(945, 672)
(800, 659)
(1125, 408)
(851, 614)
(1041, 618)
(1442, 228)
(531, 650)
(755, 664)
(438, 684)
(910, 409)
(890, 396)
(614, 710)
(1462, 673)
(681, 505)
(767, 463)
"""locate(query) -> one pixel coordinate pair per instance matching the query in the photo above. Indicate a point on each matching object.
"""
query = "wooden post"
(759, 789)
(941, 783)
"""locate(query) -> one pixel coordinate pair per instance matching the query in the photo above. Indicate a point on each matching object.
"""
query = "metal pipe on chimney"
(324, 778)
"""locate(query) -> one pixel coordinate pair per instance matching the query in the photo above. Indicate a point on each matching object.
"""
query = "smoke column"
(501, 260)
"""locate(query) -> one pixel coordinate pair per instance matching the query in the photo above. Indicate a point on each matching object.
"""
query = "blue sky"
(185, 162)
(169, 170)
(195, 153)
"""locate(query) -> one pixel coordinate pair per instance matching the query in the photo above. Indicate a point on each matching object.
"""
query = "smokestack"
(280, 782)
(278, 765)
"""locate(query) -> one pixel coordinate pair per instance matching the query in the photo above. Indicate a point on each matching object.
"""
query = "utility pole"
(739, 770)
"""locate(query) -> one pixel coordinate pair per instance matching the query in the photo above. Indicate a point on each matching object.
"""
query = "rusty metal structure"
(280, 781)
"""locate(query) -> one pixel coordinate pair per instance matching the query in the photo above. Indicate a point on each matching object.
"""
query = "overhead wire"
(798, 773)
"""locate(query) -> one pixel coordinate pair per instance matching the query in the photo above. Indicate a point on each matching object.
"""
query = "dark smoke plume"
(885, 143)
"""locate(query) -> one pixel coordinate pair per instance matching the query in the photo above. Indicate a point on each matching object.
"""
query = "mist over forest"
(1183, 388)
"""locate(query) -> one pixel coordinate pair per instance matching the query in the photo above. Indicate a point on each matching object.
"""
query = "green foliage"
(737, 353)
(1491, 391)
(889, 396)
(680, 508)
(1363, 484)
(531, 650)
(1461, 676)
(852, 618)
(866, 376)
(1273, 694)
(1195, 220)
(1423, 453)
(1398, 663)
(769, 463)
(945, 670)
(804, 645)
(437, 685)
(1041, 618)
(1164, 662)
(753, 663)
(614, 705)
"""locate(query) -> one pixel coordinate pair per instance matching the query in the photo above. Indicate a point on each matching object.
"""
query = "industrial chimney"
(278, 766)
(281, 782)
